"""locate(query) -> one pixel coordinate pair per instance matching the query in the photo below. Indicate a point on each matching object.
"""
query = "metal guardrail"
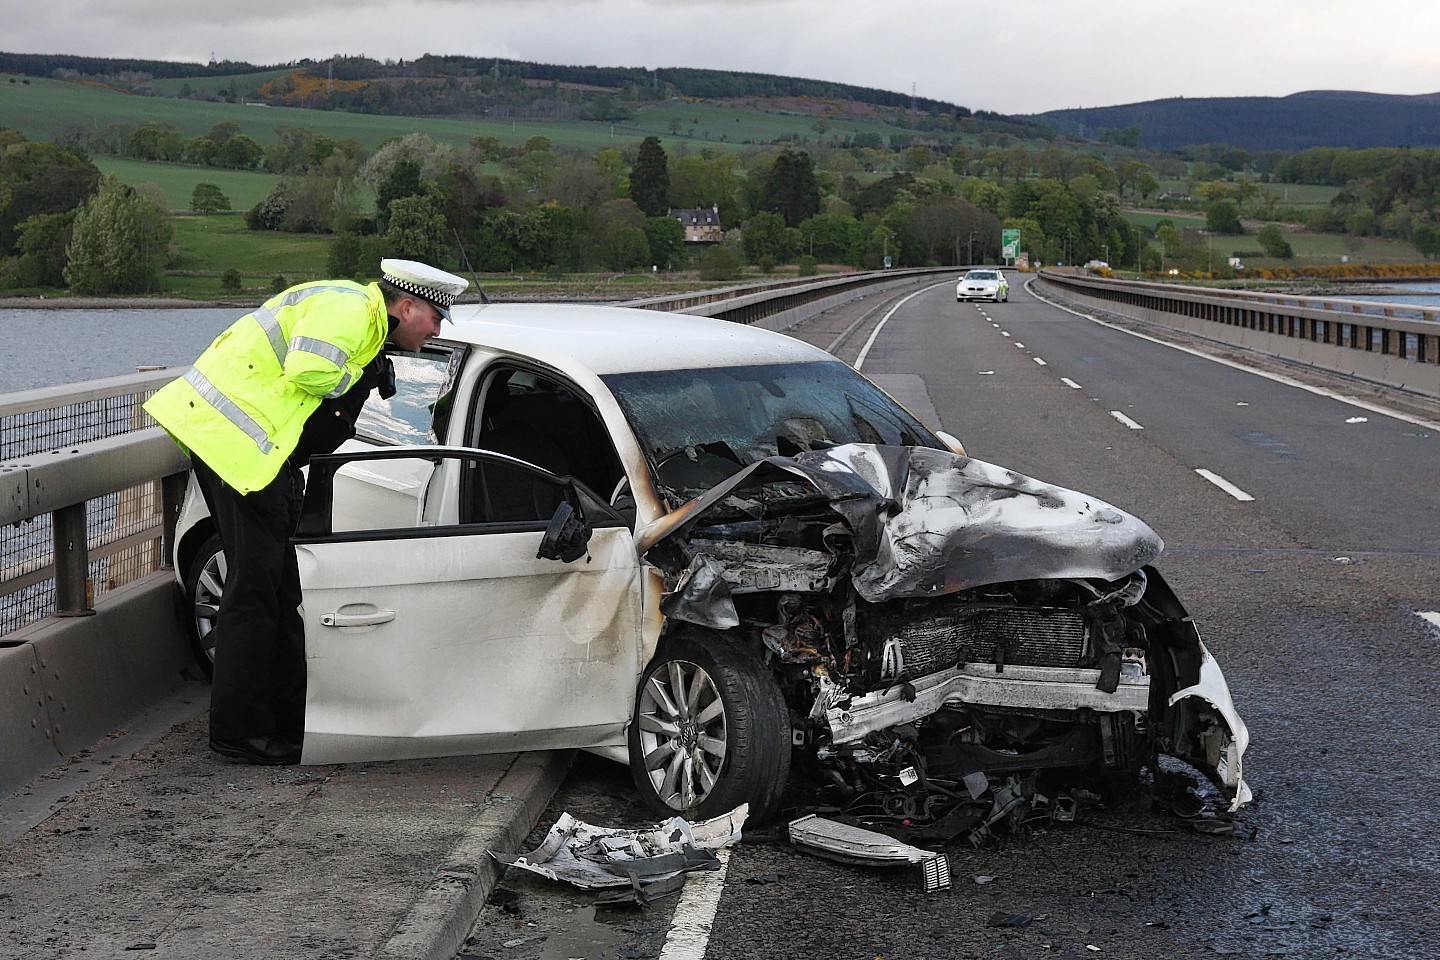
(753, 303)
(90, 488)
(1355, 338)
(89, 492)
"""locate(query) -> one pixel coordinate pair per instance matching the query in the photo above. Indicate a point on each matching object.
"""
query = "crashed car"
(719, 554)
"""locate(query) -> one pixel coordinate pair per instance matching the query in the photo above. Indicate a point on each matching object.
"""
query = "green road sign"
(1010, 243)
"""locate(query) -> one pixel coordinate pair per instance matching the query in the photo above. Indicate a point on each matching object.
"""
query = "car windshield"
(980, 275)
(700, 426)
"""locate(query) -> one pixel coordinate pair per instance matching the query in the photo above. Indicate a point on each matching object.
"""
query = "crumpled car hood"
(927, 522)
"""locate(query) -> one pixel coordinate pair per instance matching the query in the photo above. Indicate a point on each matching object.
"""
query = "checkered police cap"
(424, 281)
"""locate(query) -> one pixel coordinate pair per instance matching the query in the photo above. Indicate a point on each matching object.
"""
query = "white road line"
(1278, 378)
(690, 925)
(1429, 617)
(1225, 485)
(1125, 420)
(1039, 361)
(860, 360)
(1004, 334)
(1071, 383)
(1019, 344)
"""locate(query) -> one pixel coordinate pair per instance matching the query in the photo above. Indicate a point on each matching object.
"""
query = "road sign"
(1010, 243)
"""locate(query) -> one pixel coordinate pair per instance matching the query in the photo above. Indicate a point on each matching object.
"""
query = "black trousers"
(259, 688)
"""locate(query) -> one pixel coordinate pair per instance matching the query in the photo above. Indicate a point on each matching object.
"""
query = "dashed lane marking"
(1276, 377)
(1224, 484)
(1125, 420)
(1004, 333)
(1071, 383)
(1039, 361)
(1429, 616)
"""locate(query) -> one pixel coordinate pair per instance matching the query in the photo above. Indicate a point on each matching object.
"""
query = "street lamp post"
(970, 249)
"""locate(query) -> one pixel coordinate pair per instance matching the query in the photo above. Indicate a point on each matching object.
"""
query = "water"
(1423, 294)
(44, 348)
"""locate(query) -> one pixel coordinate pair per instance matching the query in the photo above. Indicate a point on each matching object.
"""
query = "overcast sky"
(1013, 56)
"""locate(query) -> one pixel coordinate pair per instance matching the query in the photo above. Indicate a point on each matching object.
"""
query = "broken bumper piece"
(847, 844)
(652, 861)
(1039, 688)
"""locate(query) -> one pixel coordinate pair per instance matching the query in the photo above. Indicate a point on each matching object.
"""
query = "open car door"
(451, 635)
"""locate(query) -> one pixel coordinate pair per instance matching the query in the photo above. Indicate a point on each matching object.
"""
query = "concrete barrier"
(67, 682)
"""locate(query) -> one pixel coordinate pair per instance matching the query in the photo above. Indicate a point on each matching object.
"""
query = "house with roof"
(701, 226)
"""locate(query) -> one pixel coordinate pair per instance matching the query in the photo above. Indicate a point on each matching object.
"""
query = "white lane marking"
(1125, 420)
(1358, 420)
(1070, 383)
(1278, 378)
(1224, 484)
(1039, 361)
(1429, 617)
(987, 373)
(874, 334)
(1019, 344)
(995, 325)
(1004, 334)
(689, 933)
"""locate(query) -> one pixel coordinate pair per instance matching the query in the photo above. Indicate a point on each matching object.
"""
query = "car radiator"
(1023, 636)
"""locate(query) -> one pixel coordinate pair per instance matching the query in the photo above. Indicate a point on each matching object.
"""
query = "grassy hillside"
(45, 109)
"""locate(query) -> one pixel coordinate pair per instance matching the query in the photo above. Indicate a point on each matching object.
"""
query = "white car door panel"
(460, 640)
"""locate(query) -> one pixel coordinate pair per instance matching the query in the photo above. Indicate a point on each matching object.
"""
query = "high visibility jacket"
(242, 407)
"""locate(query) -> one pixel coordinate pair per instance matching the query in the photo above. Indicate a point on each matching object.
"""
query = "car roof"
(607, 340)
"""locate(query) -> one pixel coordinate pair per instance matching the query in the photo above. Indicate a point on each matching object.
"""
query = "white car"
(987, 284)
(723, 557)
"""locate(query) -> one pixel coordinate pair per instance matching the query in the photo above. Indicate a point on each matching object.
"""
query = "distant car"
(983, 285)
(718, 553)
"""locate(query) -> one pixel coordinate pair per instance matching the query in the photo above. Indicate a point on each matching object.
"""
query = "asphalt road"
(1311, 596)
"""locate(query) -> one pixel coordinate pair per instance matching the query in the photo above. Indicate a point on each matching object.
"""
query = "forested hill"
(1316, 118)
(403, 85)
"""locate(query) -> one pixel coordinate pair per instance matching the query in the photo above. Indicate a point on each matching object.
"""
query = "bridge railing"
(1362, 339)
(89, 489)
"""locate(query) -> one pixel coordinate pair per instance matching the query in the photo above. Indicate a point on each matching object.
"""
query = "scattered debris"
(1002, 919)
(847, 844)
(764, 878)
(650, 862)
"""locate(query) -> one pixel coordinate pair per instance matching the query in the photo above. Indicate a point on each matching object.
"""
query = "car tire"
(733, 749)
(204, 585)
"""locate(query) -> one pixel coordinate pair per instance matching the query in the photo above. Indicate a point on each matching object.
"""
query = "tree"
(1222, 216)
(40, 178)
(765, 238)
(718, 263)
(239, 153)
(1273, 242)
(417, 230)
(1426, 238)
(666, 237)
(208, 198)
(43, 240)
(650, 179)
(790, 188)
(403, 180)
(119, 244)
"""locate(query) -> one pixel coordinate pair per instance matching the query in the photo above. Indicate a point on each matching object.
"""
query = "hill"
(1316, 118)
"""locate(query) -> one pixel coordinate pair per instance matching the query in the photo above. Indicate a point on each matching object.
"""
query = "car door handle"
(356, 619)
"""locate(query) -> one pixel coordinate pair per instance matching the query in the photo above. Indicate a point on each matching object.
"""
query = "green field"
(210, 245)
(45, 109)
(245, 188)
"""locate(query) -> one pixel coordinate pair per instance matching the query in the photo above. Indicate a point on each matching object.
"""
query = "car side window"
(419, 411)
(540, 419)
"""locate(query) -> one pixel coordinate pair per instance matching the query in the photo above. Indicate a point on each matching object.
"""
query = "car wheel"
(710, 731)
(204, 585)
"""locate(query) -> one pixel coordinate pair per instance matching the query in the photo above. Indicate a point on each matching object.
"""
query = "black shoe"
(261, 750)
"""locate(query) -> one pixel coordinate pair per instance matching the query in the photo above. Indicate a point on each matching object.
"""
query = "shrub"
(279, 283)
(230, 281)
(718, 263)
(808, 266)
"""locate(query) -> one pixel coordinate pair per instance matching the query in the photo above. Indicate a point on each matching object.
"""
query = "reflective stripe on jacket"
(243, 405)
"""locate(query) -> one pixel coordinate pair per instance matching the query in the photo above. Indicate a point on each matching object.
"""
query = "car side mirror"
(566, 537)
(952, 442)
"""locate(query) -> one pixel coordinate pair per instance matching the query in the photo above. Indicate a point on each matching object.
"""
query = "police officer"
(279, 384)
